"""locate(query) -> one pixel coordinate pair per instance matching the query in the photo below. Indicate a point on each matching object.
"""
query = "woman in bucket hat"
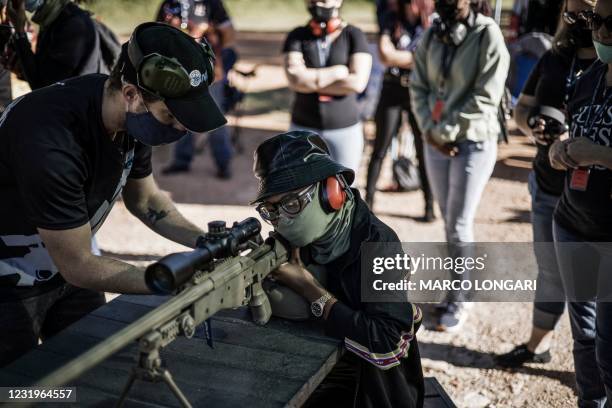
(306, 197)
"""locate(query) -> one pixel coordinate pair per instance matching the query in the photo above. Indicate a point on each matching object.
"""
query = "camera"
(554, 120)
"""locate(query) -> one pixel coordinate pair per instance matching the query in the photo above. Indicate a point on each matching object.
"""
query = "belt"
(403, 79)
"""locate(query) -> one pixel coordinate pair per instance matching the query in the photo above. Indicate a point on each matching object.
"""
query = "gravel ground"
(462, 362)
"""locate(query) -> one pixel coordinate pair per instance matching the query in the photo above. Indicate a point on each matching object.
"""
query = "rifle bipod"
(149, 368)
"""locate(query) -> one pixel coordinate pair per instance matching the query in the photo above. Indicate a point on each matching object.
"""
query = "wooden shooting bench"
(277, 365)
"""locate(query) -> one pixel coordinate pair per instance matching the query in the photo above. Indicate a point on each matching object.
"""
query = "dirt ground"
(461, 362)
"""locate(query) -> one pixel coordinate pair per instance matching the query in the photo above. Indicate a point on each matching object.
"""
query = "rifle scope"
(168, 274)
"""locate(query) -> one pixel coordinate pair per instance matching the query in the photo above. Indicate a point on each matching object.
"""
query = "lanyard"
(572, 76)
(600, 111)
(447, 61)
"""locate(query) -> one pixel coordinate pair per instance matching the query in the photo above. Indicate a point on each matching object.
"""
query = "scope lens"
(160, 280)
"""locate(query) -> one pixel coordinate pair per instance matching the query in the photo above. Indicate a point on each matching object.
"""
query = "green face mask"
(308, 226)
(604, 52)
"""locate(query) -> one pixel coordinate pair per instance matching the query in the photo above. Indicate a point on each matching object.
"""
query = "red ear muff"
(329, 27)
(333, 195)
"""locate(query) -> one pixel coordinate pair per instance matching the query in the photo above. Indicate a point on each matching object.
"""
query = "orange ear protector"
(318, 29)
(333, 194)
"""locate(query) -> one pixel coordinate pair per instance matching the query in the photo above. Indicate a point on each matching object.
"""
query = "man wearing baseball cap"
(306, 197)
(67, 152)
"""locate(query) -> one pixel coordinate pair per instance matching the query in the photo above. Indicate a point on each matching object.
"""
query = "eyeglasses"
(582, 17)
(292, 204)
(596, 21)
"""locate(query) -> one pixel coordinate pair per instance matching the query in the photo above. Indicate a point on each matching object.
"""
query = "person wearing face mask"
(582, 221)
(403, 28)
(305, 195)
(327, 63)
(548, 89)
(457, 82)
(67, 45)
(67, 152)
(204, 19)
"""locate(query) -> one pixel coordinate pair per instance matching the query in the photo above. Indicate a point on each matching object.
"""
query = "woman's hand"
(15, 10)
(447, 149)
(538, 134)
(295, 276)
(559, 157)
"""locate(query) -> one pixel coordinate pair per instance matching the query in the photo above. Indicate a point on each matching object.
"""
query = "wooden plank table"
(277, 365)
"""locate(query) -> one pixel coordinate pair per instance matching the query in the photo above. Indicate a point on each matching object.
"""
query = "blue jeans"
(591, 324)
(603, 345)
(546, 315)
(219, 139)
(457, 184)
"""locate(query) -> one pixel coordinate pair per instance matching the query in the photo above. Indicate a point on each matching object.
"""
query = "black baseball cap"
(194, 108)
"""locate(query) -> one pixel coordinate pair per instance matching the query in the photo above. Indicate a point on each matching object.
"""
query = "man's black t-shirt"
(200, 11)
(547, 83)
(339, 111)
(589, 213)
(67, 48)
(542, 16)
(59, 169)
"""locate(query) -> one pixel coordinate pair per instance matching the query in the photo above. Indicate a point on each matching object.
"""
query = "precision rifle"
(226, 270)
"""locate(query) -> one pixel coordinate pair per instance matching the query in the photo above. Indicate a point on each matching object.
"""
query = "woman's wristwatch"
(318, 306)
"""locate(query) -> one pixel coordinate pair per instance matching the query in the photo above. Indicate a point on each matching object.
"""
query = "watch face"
(316, 309)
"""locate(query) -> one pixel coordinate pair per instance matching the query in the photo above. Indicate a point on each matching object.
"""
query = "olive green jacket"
(473, 90)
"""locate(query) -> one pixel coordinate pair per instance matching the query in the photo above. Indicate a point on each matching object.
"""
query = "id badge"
(580, 179)
(438, 108)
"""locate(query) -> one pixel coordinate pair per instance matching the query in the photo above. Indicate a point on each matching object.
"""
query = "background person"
(549, 85)
(63, 168)
(457, 84)
(204, 19)
(305, 195)
(398, 39)
(583, 216)
(534, 16)
(67, 44)
(327, 63)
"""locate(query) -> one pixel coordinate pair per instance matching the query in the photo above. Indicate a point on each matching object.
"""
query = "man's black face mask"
(321, 14)
(580, 37)
(447, 10)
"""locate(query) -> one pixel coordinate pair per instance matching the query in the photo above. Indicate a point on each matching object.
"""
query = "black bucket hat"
(293, 160)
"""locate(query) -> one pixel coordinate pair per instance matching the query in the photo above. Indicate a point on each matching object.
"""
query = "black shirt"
(200, 11)
(382, 334)
(547, 83)
(59, 169)
(404, 36)
(542, 16)
(589, 213)
(340, 111)
(68, 47)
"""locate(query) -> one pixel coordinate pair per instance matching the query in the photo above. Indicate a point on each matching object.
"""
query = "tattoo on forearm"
(154, 216)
